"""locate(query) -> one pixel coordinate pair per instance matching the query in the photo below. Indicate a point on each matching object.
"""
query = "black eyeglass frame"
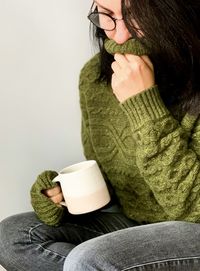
(97, 12)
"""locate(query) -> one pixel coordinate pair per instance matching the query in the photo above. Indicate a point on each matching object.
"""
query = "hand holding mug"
(55, 194)
(83, 188)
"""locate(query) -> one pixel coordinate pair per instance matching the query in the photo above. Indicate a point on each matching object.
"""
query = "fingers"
(52, 191)
(119, 64)
(115, 67)
(55, 194)
(132, 74)
(147, 60)
(139, 60)
(135, 62)
(122, 62)
(131, 58)
(57, 198)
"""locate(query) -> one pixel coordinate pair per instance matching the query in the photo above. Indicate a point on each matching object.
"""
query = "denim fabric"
(98, 241)
(166, 246)
(26, 244)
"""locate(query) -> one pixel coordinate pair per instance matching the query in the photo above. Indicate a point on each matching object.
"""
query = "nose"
(120, 33)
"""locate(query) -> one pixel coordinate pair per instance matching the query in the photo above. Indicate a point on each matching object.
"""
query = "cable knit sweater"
(150, 158)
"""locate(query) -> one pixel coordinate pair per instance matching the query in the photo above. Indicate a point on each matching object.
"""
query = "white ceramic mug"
(83, 187)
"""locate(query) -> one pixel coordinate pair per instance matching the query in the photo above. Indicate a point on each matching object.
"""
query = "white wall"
(43, 45)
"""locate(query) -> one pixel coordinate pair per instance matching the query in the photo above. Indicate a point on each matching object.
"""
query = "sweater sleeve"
(166, 154)
(46, 210)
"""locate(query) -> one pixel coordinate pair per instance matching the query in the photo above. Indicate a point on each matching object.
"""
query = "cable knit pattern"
(150, 158)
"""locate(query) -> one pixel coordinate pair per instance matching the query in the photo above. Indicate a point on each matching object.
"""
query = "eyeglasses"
(102, 20)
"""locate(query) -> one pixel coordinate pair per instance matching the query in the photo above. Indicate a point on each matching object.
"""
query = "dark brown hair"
(171, 31)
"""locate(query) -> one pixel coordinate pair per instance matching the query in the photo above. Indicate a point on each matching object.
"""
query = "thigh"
(91, 225)
(167, 246)
(76, 229)
(27, 244)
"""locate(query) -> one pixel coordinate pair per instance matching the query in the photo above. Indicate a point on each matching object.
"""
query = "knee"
(179, 227)
(89, 256)
(11, 235)
(6, 240)
(10, 230)
(108, 251)
(6, 231)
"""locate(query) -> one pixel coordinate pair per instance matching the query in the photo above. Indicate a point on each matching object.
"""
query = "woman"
(140, 121)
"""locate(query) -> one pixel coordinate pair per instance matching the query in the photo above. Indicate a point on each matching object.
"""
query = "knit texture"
(46, 210)
(150, 158)
(132, 46)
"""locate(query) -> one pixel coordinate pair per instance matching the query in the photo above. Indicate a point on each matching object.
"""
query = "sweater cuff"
(46, 210)
(143, 107)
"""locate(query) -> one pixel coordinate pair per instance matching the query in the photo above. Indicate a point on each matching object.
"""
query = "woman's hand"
(132, 75)
(55, 194)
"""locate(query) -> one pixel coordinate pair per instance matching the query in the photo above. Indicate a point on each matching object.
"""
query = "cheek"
(109, 34)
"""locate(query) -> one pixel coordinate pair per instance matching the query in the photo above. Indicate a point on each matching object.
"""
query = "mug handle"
(63, 203)
(55, 180)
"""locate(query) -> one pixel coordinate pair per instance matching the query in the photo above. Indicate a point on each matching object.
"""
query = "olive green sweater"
(150, 158)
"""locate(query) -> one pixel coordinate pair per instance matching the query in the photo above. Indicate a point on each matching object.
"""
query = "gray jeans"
(98, 241)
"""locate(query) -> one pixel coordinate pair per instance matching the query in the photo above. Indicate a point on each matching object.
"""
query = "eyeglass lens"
(102, 20)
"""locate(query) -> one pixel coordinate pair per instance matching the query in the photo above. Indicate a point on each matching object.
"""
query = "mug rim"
(88, 163)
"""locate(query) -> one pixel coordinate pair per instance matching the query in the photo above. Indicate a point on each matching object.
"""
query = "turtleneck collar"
(131, 46)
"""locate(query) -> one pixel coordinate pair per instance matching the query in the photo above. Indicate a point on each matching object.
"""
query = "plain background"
(43, 45)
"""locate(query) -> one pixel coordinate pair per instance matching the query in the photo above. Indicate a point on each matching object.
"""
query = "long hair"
(98, 37)
(171, 30)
